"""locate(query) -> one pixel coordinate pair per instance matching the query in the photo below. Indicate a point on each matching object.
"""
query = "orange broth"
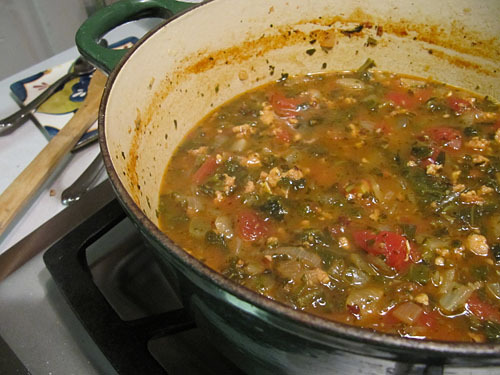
(364, 197)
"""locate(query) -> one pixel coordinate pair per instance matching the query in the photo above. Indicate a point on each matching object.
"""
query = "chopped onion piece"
(239, 145)
(291, 157)
(494, 220)
(198, 227)
(351, 83)
(254, 268)
(371, 97)
(435, 278)
(407, 312)
(434, 243)
(297, 252)
(313, 93)
(380, 265)
(237, 243)
(362, 264)
(467, 118)
(368, 125)
(448, 277)
(376, 190)
(224, 226)
(457, 296)
(219, 140)
(494, 289)
(355, 276)
(290, 269)
(195, 204)
(365, 299)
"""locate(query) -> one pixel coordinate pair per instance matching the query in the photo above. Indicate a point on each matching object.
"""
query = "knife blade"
(54, 229)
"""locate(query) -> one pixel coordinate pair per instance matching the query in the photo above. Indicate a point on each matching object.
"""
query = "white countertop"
(42, 331)
(35, 321)
(18, 148)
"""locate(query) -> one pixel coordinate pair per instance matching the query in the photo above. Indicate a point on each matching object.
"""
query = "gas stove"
(116, 289)
(107, 305)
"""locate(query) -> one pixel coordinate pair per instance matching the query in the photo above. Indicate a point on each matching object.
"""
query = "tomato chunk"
(458, 104)
(428, 319)
(393, 246)
(482, 309)
(283, 106)
(251, 227)
(366, 240)
(283, 135)
(205, 170)
(433, 158)
(396, 249)
(446, 137)
(407, 99)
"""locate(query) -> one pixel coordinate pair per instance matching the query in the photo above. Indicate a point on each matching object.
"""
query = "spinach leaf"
(427, 188)
(419, 273)
(234, 270)
(213, 238)
(296, 185)
(492, 331)
(408, 230)
(273, 207)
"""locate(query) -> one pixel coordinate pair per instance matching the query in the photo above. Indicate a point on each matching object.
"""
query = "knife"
(56, 228)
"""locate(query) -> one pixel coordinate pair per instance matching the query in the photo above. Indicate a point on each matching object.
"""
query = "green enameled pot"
(181, 70)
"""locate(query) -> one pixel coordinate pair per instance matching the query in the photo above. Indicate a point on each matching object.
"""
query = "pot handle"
(106, 19)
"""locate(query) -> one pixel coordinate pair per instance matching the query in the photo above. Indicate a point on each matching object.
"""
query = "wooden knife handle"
(25, 186)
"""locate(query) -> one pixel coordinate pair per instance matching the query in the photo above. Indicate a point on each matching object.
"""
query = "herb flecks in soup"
(366, 198)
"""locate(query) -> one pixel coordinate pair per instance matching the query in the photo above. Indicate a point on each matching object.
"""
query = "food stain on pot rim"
(358, 25)
(457, 38)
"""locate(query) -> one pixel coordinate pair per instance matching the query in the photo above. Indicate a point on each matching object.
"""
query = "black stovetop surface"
(114, 286)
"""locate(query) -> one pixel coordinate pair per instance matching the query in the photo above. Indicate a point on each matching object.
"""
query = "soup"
(364, 197)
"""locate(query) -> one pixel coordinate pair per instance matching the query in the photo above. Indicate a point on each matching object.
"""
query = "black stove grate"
(166, 342)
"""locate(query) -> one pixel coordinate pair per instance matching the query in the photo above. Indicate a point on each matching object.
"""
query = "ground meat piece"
(485, 190)
(293, 174)
(479, 159)
(249, 187)
(433, 169)
(484, 117)
(458, 188)
(252, 160)
(219, 197)
(244, 130)
(478, 143)
(472, 197)
(349, 100)
(201, 150)
(229, 183)
(422, 298)
(344, 243)
(267, 114)
(454, 176)
(316, 276)
(273, 177)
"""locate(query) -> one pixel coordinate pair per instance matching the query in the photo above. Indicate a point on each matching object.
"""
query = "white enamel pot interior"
(192, 64)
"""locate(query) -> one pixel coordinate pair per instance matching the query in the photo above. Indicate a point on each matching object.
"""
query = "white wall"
(33, 30)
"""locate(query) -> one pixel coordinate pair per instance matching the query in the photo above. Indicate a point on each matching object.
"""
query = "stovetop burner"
(115, 287)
